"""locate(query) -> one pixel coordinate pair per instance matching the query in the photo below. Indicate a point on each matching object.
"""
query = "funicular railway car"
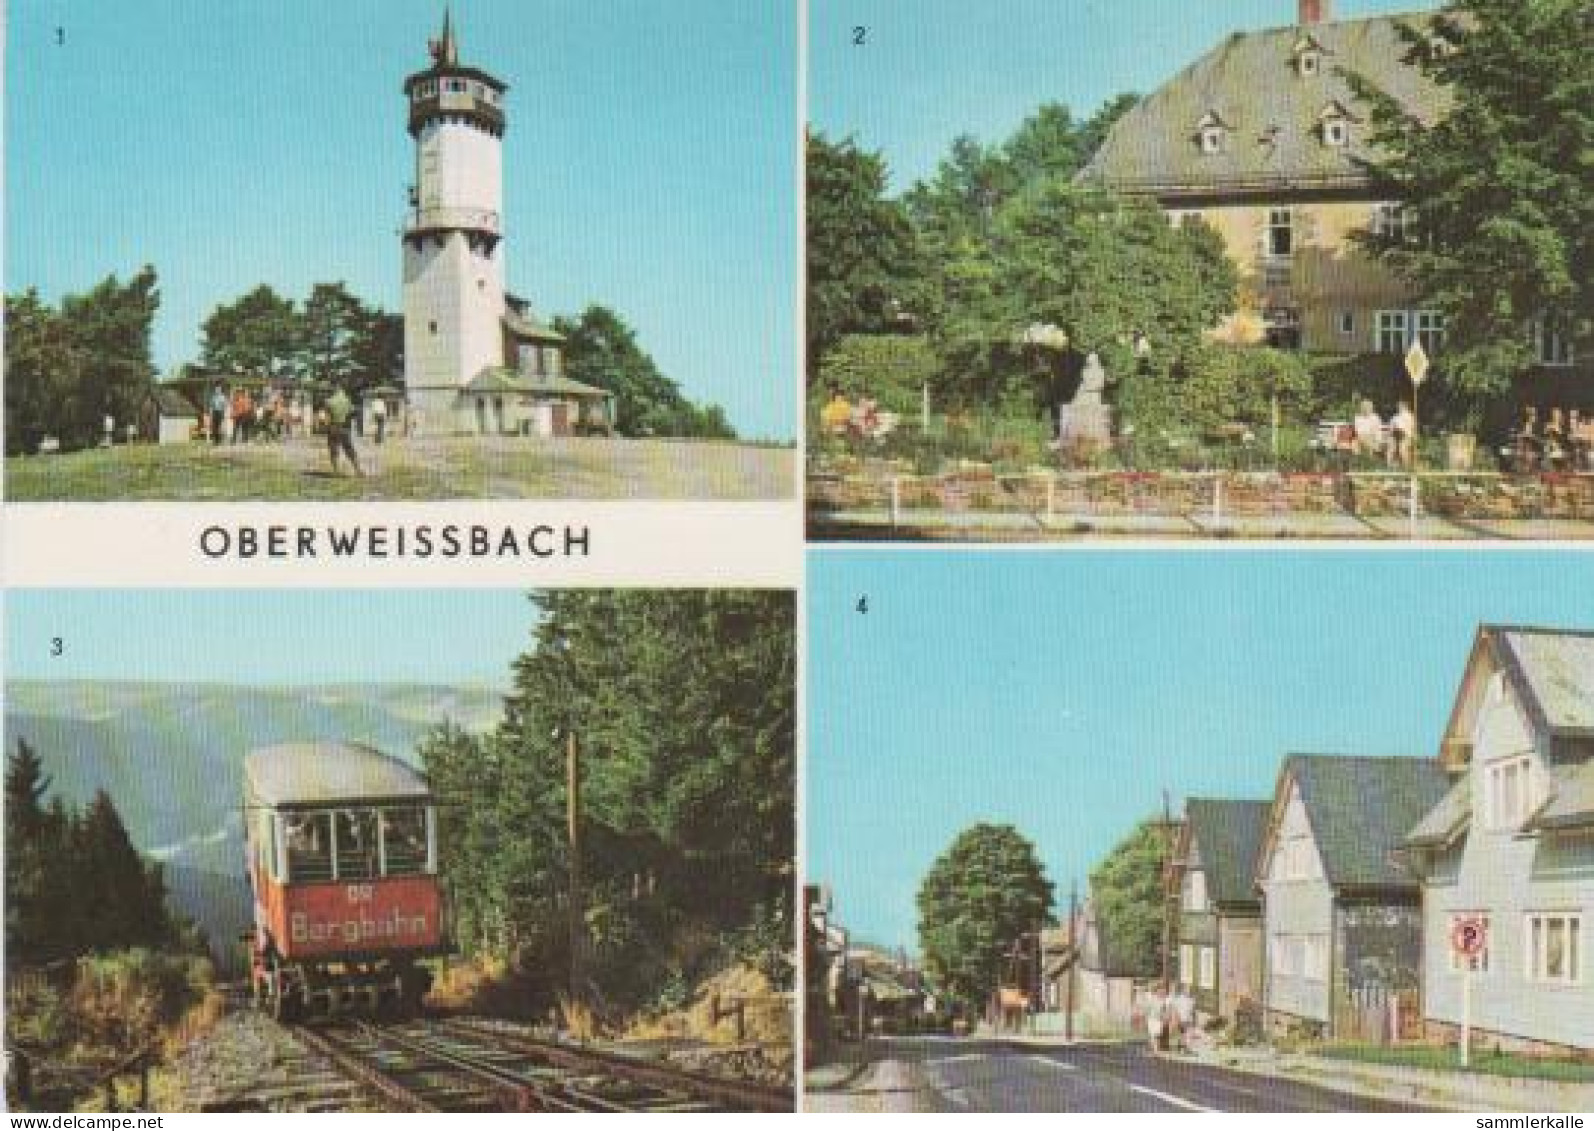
(342, 854)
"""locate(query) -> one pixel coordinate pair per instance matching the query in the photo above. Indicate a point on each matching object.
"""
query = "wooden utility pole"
(1167, 859)
(1073, 961)
(573, 811)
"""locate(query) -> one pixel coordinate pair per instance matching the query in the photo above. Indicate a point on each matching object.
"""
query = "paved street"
(952, 1074)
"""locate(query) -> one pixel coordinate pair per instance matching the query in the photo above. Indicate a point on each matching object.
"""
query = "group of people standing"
(1393, 440)
(243, 418)
(1170, 1018)
(1563, 442)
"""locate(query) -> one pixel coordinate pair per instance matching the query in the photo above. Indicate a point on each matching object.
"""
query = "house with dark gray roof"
(1264, 139)
(1342, 919)
(1212, 875)
(1511, 846)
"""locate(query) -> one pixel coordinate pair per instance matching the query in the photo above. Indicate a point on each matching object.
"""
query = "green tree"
(1126, 889)
(863, 265)
(602, 350)
(1498, 192)
(687, 804)
(1099, 269)
(980, 897)
(260, 333)
(891, 368)
(43, 372)
(111, 326)
(376, 351)
(122, 899)
(330, 326)
(33, 842)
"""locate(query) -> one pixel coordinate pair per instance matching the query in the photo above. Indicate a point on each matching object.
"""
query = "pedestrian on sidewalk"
(1183, 1020)
(1156, 1016)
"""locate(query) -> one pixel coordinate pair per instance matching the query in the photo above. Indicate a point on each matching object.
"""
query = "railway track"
(452, 1065)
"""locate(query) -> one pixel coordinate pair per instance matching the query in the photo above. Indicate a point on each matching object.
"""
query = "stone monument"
(1084, 425)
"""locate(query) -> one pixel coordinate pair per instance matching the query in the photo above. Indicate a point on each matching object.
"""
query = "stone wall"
(1477, 496)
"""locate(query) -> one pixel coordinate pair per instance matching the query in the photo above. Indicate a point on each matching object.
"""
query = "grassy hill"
(171, 757)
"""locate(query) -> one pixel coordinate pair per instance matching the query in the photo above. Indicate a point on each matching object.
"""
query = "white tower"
(453, 256)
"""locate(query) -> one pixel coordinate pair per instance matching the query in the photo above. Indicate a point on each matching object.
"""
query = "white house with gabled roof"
(1512, 844)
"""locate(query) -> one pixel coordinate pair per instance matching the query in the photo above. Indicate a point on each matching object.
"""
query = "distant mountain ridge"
(171, 757)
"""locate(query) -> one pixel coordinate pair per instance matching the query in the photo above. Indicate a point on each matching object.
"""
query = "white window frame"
(1509, 786)
(1480, 962)
(1207, 972)
(1279, 220)
(1195, 890)
(1186, 964)
(1336, 133)
(1347, 323)
(1552, 348)
(1535, 947)
(1310, 62)
(1428, 327)
(1211, 139)
(1389, 220)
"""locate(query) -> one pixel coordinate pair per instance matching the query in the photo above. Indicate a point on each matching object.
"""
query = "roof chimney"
(1315, 12)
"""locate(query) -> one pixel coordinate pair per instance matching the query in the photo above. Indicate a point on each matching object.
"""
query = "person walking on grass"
(218, 413)
(339, 409)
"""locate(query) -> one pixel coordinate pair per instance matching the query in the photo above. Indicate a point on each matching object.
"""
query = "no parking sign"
(1469, 936)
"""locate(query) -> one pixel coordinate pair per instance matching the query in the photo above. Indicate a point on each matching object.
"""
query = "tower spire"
(445, 51)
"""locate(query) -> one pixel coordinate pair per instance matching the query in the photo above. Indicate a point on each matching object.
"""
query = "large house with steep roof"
(1341, 920)
(1264, 140)
(1212, 876)
(1512, 845)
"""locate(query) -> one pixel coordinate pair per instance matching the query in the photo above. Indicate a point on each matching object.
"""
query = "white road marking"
(1049, 1062)
(1167, 1099)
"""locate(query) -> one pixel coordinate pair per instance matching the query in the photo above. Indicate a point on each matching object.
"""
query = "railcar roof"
(319, 773)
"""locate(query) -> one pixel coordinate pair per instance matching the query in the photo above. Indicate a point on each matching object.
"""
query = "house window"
(1389, 221)
(1281, 951)
(1336, 134)
(1392, 330)
(1347, 323)
(1310, 63)
(1280, 233)
(1211, 139)
(1187, 969)
(1195, 890)
(432, 326)
(1430, 331)
(1553, 946)
(1297, 858)
(1207, 978)
(1552, 345)
(1510, 792)
(1478, 962)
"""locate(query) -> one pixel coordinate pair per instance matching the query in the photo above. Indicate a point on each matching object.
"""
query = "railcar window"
(404, 841)
(357, 852)
(309, 837)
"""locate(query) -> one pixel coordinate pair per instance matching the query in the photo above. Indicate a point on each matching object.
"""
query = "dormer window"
(1308, 56)
(1309, 63)
(1334, 124)
(1211, 133)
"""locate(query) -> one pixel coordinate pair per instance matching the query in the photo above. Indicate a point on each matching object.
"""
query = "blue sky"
(931, 70)
(270, 636)
(1063, 692)
(650, 162)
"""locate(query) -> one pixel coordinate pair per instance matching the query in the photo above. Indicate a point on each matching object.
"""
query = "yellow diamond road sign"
(1417, 362)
